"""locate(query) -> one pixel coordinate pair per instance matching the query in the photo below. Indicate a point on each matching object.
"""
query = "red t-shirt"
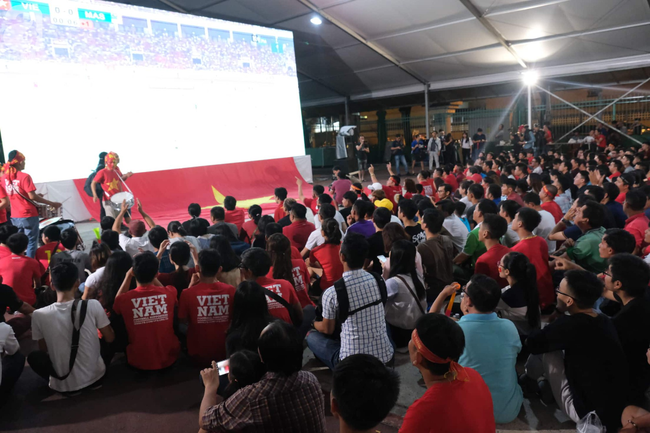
(44, 254)
(249, 227)
(207, 308)
(110, 181)
(295, 254)
(285, 290)
(298, 232)
(487, 263)
(328, 257)
(601, 141)
(148, 313)
(536, 249)
(476, 178)
(621, 198)
(235, 217)
(170, 279)
(427, 187)
(554, 209)
(636, 225)
(312, 204)
(301, 279)
(4, 252)
(391, 192)
(279, 213)
(458, 406)
(23, 184)
(450, 179)
(18, 272)
(615, 174)
(3, 212)
(516, 197)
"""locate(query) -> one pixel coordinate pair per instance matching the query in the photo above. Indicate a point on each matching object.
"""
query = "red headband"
(9, 168)
(454, 368)
(545, 189)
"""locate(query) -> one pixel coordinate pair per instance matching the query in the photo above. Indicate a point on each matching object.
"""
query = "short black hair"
(381, 217)
(585, 287)
(512, 183)
(6, 231)
(350, 196)
(442, 336)
(476, 190)
(595, 213)
(194, 209)
(156, 236)
(197, 228)
(257, 261)
(107, 223)
(318, 189)
(327, 211)
(354, 250)
(180, 253)
(619, 240)
(280, 348)
(597, 192)
(229, 202)
(145, 267)
(529, 217)
(53, 233)
(533, 198)
(280, 193)
(325, 198)
(611, 190)
(636, 199)
(218, 213)
(17, 243)
(433, 219)
(484, 293)
(112, 238)
(408, 208)
(494, 190)
(64, 276)
(209, 262)
(565, 183)
(633, 273)
(486, 206)
(447, 206)
(495, 225)
(365, 390)
(271, 229)
(299, 211)
(69, 238)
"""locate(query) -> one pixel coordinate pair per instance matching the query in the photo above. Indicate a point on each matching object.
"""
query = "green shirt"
(585, 251)
(473, 247)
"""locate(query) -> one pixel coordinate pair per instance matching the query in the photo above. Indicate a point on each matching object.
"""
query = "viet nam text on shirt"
(149, 310)
(212, 308)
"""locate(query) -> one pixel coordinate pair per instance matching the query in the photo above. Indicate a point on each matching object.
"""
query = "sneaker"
(545, 392)
(528, 386)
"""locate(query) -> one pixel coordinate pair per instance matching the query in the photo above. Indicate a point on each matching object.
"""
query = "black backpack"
(89, 183)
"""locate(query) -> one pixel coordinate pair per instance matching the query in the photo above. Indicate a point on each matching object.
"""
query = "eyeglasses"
(609, 274)
(562, 293)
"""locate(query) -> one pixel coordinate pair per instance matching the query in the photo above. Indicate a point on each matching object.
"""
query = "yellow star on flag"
(113, 184)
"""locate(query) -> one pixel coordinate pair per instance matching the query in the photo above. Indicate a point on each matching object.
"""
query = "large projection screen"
(164, 90)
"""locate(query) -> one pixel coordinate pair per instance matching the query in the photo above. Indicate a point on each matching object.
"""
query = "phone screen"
(223, 367)
(382, 258)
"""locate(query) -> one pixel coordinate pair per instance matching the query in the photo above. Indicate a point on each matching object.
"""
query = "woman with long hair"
(407, 300)
(466, 146)
(249, 228)
(260, 238)
(409, 189)
(283, 267)
(179, 256)
(326, 257)
(250, 315)
(177, 233)
(450, 149)
(358, 190)
(230, 273)
(99, 255)
(520, 299)
(392, 233)
(535, 182)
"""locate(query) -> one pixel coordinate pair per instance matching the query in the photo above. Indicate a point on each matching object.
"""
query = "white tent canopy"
(381, 48)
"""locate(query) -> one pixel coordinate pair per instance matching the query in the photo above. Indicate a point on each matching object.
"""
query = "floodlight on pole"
(530, 77)
(316, 21)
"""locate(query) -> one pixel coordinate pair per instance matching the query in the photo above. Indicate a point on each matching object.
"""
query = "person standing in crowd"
(466, 144)
(21, 191)
(478, 140)
(110, 178)
(457, 395)
(433, 148)
(418, 152)
(362, 157)
(397, 151)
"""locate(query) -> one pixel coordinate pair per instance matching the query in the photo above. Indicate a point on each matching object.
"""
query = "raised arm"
(301, 196)
(389, 167)
(439, 303)
(117, 225)
(146, 217)
(371, 170)
(125, 284)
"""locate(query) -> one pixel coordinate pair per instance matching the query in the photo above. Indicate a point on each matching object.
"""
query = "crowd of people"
(467, 268)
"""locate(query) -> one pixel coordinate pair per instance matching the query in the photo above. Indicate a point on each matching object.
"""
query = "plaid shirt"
(365, 331)
(274, 404)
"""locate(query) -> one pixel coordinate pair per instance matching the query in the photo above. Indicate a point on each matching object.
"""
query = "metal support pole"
(426, 109)
(347, 111)
(530, 106)
(588, 114)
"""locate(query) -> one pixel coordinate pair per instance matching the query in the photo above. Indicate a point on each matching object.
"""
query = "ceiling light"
(530, 77)
(316, 21)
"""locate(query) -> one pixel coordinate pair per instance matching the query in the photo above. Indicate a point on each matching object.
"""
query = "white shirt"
(467, 144)
(191, 239)
(457, 230)
(394, 219)
(544, 229)
(8, 343)
(133, 245)
(94, 278)
(510, 238)
(337, 216)
(538, 170)
(53, 323)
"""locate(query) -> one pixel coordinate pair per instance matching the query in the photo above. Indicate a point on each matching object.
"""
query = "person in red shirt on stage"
(256, 264)
(311, 203)
(4, 204)
(637, 221)
(21, 191)
(492, 230)
(110, 178)
(536, 249)
(280, 194)
(457, 398)
(233, 215)
(148, 312)
(52, 245)
(327, 256)
(547, 195)
(300, 229)
(20, 272)
(206, 307)
(392, 187)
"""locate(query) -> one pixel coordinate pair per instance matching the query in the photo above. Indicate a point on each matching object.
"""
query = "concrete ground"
(130, 401)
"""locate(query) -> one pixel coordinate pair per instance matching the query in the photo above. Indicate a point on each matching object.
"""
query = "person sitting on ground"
(112, 239)
(99, 255)
(177, 233)
(81, 259)
(12, 362)
(474, 248)
(311, 203)
(230, 273)
(392, 187)
(363, 393)
(287, 205)
(139, 241)
(280, 194)
(260, 236)
(249, 228)
(233, 215)
(407, 213)
(358, 221)
(255, 266)
(380, 217)
(491, 231)
(437, 254)
(194, 209)
(285, 267)
(218, 218)
(576, 348)
(300, 229)
(547, 222)
(340, 186)
(6, 231)
(452, 223)
(348, 201)
(615, 208)
(637, 222)
(200, 233)
(55, 332)
(285, 399)
(237, 246)
(316, 239)
(206, 307)
(250, 315)
(106, 223)
(491, 344)
(626, 281)
(508, 210)
(520, 298)
(9, 302)
(508, 191)
(326, 257)
(159, 240)
(547, 196)
(457, 395)
(244, 368)
(406, 294)
(148, 312)
(21, 273)
(51, 245)
(475, 193)
(363, 331)
(179, 256)
(585, 252)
